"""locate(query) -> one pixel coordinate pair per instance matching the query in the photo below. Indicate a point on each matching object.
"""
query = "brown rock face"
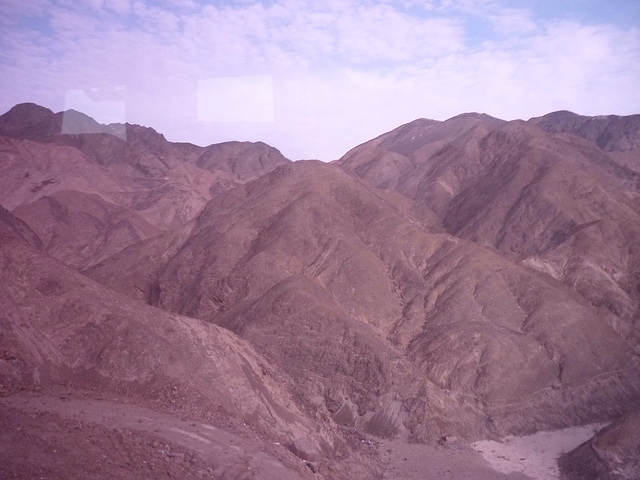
(308, 241)
(132, 170)
(551, 202)
(467, 278)
(70, 328)
(59, 328)
(80, 229)
(610, 132)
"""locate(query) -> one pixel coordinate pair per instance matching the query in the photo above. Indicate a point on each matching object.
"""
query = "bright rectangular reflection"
(236, 99)
(105, 104)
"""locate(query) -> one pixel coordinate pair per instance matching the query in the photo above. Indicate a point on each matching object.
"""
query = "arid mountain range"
(468, 279)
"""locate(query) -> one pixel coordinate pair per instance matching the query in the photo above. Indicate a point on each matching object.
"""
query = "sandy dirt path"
(530, 457)
(407, 461)
(227, 454)
(535, 455)
(230, 454)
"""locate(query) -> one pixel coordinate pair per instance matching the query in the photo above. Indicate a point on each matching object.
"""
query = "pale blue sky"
(316, 78)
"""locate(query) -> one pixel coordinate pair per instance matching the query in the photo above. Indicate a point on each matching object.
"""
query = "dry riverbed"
(511, 458)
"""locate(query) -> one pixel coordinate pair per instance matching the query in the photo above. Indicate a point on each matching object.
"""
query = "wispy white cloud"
(122, 7)
(339, 71)
(512, 21)
(14, 11)
(371, 35)
(157, 21)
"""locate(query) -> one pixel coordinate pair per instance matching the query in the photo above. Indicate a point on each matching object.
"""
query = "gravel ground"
(42, 436)
(407, 461)
(534, 455)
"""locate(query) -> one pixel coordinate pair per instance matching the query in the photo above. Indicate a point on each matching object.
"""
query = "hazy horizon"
(314, 80)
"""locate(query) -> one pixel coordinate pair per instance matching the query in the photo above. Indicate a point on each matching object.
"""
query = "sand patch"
(534, 455)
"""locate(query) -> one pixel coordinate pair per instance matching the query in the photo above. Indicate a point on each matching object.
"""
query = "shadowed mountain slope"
(131, 170)
(557, 204)
(60, 329)
(79, 228)
(612, 454)
(609, 132)
(414, 314)
(616, 135)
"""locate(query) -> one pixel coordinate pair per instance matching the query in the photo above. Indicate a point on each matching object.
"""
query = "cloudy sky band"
(316, 78)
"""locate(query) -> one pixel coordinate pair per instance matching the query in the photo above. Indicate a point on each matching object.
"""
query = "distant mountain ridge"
(161, 183)
(609, 132)
(467, 278)
(141, 147)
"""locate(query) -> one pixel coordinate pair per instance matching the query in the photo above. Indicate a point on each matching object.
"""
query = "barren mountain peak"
(23, 117)
(473, 116)
(28, 109)
(612, 133)
(421, 123)
(559, 114)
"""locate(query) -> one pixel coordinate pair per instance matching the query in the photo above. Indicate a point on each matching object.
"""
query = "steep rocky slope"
(79, 228)
(131, 171)
(376, 316)
(60, 329)
(612, 454)
(609, 132)
(554, 203)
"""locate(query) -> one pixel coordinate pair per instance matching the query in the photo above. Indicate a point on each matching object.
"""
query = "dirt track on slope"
(56, 437)
(406, 461)
(64, 437)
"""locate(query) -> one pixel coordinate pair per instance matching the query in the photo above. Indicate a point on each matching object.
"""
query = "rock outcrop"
(612, 454)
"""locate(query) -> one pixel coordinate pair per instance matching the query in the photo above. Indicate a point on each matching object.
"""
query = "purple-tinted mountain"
(64, 336)
(144, 183)
(609, 132)
(612, 454)
(555, 204)
(468, 279)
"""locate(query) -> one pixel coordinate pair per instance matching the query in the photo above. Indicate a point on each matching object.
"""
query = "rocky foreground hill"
(467, 279)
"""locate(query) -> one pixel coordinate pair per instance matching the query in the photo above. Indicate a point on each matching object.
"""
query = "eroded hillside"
(471, 278)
